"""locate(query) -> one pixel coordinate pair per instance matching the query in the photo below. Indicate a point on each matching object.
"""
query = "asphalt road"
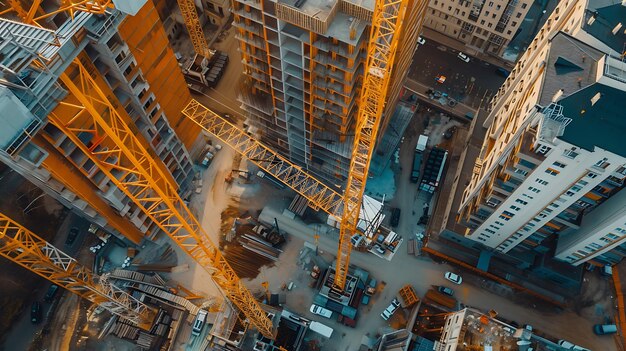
(468, 82)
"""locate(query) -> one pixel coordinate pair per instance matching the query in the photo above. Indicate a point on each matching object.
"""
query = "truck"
(417, 157)
(433, 171)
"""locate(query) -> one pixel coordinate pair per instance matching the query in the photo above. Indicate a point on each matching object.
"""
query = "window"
(559, 164)
(552, 171)
(515, 208)
(509, 214)
(518, 15)
(482, 21)
(541, 181)
(582, 182)
(570, 153)
(490, 231)
(508, 32)
(602, 163)
(534, 190)
(591, 175)
(514, 23)
(505, 218)
(490, 3)
(524, 6)
(520, 201)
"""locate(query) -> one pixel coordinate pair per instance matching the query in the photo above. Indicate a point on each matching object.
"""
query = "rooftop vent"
(595, 98)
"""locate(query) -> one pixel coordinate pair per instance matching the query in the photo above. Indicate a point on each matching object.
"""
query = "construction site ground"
(422, 273)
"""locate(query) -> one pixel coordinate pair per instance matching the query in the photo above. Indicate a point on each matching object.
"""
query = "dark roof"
(602, 124)
(606, 18)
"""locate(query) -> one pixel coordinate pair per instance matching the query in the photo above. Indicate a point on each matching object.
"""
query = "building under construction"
(129, 61)
(303, 64)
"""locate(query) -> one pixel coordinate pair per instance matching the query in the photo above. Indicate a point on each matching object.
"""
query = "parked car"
(52, 290)
(445, 290)
(35, 312)
(321, 311)
(421, 41)
(463, 57)
(391, 309)
(603, 329)
(71, 236)
(449, 132)
(455, 278)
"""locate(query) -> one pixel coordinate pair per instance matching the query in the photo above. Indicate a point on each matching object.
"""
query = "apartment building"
(53, 80)
(483, 25)
(552, 162)
(303, 66)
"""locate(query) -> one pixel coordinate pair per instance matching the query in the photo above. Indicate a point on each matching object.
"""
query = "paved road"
(467, 82)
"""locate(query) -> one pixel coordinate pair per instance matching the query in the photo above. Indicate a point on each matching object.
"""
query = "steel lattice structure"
(28, 250)
(192, 22)
(131, 166)
(319, 195)
(133, 169)
(385, 35)
(387, 22)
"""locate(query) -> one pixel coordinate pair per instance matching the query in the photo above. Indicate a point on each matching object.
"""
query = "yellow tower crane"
(131, 167)
(386, 28)
(28, 250)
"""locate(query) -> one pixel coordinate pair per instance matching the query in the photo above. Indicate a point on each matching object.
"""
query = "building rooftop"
(597, 118)
(608, 24)
(571, 65)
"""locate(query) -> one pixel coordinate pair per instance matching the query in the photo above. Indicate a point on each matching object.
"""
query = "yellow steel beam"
(28, 250)
(387, 22)
(71, 6)
(119, 154)
(319, 195)
(192, 22)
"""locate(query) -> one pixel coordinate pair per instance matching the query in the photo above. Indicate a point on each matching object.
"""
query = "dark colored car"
(71, 237)
(395, 217)
(35, 313)
(445, 290)
(52, 291)
(449, 132)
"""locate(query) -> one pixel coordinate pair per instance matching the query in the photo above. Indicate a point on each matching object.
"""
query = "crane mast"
(387, 22)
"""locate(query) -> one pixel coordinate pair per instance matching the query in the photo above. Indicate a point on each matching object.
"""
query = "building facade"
(125, 57)
(303, 67)
(551, 166)
(483, 25)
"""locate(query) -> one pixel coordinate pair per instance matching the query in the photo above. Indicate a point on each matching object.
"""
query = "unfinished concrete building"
(126, 57)
(303, 66)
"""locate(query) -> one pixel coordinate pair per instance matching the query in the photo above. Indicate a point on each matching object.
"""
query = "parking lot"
(468, 82)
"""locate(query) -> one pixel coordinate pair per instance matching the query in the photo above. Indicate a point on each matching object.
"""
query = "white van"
(321, 329)
(199, 322)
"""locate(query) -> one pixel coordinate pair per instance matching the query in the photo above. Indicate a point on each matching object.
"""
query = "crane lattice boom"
(117, 152)
(28, 250)
(319, 195)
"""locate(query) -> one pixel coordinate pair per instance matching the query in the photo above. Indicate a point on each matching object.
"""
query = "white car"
(391, 309)
(321, 311)
(463, 57)
(421, 41)
(379, 249)
(455, 278)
